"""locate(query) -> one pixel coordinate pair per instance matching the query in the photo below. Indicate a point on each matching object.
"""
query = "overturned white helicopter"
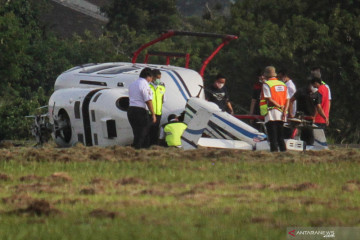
(90, 102)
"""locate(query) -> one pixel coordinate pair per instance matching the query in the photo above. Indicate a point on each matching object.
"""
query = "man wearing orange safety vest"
(274, 103)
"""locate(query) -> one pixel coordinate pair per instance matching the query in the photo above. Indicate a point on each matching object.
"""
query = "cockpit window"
(123, 103)
(99, 68)
(118, 70)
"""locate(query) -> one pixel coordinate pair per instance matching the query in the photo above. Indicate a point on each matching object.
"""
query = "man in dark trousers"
(274, 104)
(322, 121)
(309, 104)
(140, 97)
(158, 91)
(217, 93)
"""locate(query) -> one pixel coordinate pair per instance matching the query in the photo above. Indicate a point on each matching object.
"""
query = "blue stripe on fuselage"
(178, 85)
(239, 129)
(321, 143)
(195, 132)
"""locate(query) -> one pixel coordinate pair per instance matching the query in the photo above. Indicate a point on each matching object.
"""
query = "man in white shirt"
(140, 97)
(282, 75)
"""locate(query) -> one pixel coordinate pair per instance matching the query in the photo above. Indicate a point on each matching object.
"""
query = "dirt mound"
(261, 220)
(255, 186)
(350, 187)
(152, 192)
(101, 213)
(130, 180)
(6, 155)
(60, 177)
(71, 201)
(294, 187)
(36, 187)
(4, 177)
(297, 187)
(357, 182)
(29, 178)
(88, 191)
(101, 154)
(18, 200)
(6, 144)
(38, 208)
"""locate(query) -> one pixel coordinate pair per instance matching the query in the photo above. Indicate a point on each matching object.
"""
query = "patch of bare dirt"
(152, 192)
(38, 208)
(101, 213)
(72, 201)
(297, 187)
(125, 152)
(255, 186)
(88, 191)
(294, 187)
(261, 220)
(350, 187)
(99, 181)
(357, 182)
(60, 177)
(101, 154)
(6, 144)
(36, 187)
(186, 193)
(4, 177)
(18, 200)
(130, 181)
(6, 155)
(302, 200)
(209, 185)
(30, 178)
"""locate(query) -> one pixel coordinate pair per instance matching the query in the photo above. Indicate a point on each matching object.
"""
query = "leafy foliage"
(142, 15)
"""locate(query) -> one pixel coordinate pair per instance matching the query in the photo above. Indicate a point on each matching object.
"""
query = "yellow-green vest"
(157, 99)
(263, 103)
(173, 132)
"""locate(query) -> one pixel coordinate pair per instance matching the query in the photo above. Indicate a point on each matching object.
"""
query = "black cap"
(171, 117)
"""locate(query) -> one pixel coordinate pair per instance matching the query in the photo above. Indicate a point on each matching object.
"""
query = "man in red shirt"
(325, 102)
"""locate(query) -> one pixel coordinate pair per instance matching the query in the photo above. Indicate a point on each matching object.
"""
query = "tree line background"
(295, 35)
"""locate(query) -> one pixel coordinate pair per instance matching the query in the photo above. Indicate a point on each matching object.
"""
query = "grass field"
(120, 193)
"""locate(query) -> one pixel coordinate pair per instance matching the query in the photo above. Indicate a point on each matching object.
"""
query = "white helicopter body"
(90, 104)
(94, 100)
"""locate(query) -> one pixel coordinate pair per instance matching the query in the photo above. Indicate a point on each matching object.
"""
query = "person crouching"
(172, 131)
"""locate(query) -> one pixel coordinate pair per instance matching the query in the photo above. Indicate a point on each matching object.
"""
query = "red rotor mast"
(225, 40)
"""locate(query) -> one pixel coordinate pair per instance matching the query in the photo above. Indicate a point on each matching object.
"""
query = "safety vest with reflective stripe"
(173, 132)
(158, 94)
(278, 91)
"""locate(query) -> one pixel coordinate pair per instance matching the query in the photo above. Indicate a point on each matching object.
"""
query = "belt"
(137, 107)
